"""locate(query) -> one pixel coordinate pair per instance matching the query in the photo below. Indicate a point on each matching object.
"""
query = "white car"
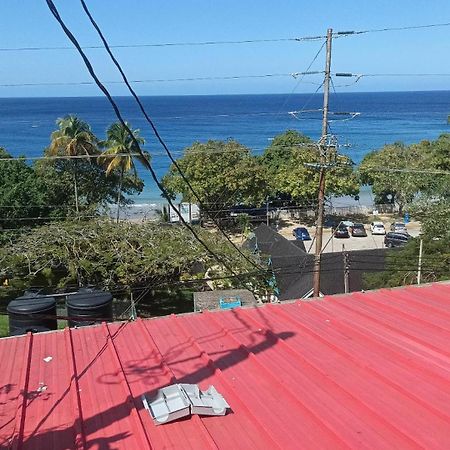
(377, 228)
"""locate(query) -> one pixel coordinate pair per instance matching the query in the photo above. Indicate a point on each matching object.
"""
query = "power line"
(148, 165)
(166, 44)
(380, 30)
(294, 75)
(300, 79)
(153, 127)
(299, 76)
(225, 42)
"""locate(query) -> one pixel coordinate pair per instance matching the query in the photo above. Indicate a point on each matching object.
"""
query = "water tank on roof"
(32, 312)
(88, 307)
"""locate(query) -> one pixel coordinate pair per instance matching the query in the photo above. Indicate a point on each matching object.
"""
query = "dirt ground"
(332, 244)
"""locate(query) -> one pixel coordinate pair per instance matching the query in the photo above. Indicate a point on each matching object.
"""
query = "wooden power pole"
(419, 265)
(323, 160)
(346, 270)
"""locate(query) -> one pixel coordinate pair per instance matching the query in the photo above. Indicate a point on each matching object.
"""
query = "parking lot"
(332, 244)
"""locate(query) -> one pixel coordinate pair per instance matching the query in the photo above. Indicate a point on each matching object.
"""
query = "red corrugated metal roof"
(365, 370)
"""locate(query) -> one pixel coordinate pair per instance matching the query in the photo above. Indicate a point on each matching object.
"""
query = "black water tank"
(32, 312)
(88, 307)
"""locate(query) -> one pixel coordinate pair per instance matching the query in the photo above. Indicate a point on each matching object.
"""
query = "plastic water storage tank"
(88, 307)
(32, 312)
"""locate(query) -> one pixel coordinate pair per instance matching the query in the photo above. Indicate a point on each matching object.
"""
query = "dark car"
(358, 230)
(341, 232)
(331, 222)
(301, 234)
(396, 239)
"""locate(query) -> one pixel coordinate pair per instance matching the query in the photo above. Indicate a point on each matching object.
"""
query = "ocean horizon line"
(222, 95)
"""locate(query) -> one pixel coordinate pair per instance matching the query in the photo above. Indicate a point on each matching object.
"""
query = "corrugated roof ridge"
(392, 307)
(22, 398)
(80, 434)
(324, 379)
(139, 428)
(160, 432)
(290, 394)
(218, 372)
(384, 324)
(386, 345)
(389, 380)
(169, 371)
(315, 335)
(414, 296)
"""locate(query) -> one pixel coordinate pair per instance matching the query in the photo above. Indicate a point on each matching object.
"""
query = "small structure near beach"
(223, 299)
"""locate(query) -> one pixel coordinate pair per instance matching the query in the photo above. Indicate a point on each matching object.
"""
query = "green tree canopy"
(22, 193)
(402, 264)
(221, 173)
(115, 255)
(286, 161)
(405, 173)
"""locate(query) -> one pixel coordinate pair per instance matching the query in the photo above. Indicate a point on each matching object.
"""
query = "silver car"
(399, 227)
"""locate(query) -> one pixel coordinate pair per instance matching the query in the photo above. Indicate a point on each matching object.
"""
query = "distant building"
(189, 211)
(223, 299)
(293, 267)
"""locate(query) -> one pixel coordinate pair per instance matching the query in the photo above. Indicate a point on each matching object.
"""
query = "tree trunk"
(75, 185)
(118, 196)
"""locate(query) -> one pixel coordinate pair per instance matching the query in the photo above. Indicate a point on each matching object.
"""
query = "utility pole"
(419, 266)
(267, 211)
(323, 160)
(346, 270)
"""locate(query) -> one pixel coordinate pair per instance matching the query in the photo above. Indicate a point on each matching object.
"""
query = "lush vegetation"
(55, 188)
(402, 174)
(122, 256)
(226, 173)
(424, 189)
(221, 174)
(69, 244)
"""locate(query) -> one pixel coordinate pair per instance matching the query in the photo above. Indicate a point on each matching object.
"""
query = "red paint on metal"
(362, 371)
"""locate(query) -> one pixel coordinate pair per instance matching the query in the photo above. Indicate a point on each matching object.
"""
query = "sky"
(26, 23)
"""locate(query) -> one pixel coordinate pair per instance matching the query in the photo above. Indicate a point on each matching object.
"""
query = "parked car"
(301, 234)
(341, 232)
(399, 227)
(358, 230)
(331, 222)
(396, 239)
(377, 228)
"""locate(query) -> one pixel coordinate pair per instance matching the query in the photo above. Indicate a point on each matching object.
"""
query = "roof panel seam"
(373, 411)
(22, 399)
(170, 373)
(380, 305)
(80, 434)
(136, 419)
(290, 394)
(392, 328)
(387, 380)
(218, 372)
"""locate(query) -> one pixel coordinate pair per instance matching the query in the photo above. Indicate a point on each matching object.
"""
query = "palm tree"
(73, 138)
(119, 154)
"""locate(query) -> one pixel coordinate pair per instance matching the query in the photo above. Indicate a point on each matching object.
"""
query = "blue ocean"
(253, 120)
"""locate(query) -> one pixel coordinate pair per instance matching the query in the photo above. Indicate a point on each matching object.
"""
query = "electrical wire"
(166, 44)
(154, 129)
(164, 80)
(300, 80)
(380, 30)
(118, 114)
(295, 75)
